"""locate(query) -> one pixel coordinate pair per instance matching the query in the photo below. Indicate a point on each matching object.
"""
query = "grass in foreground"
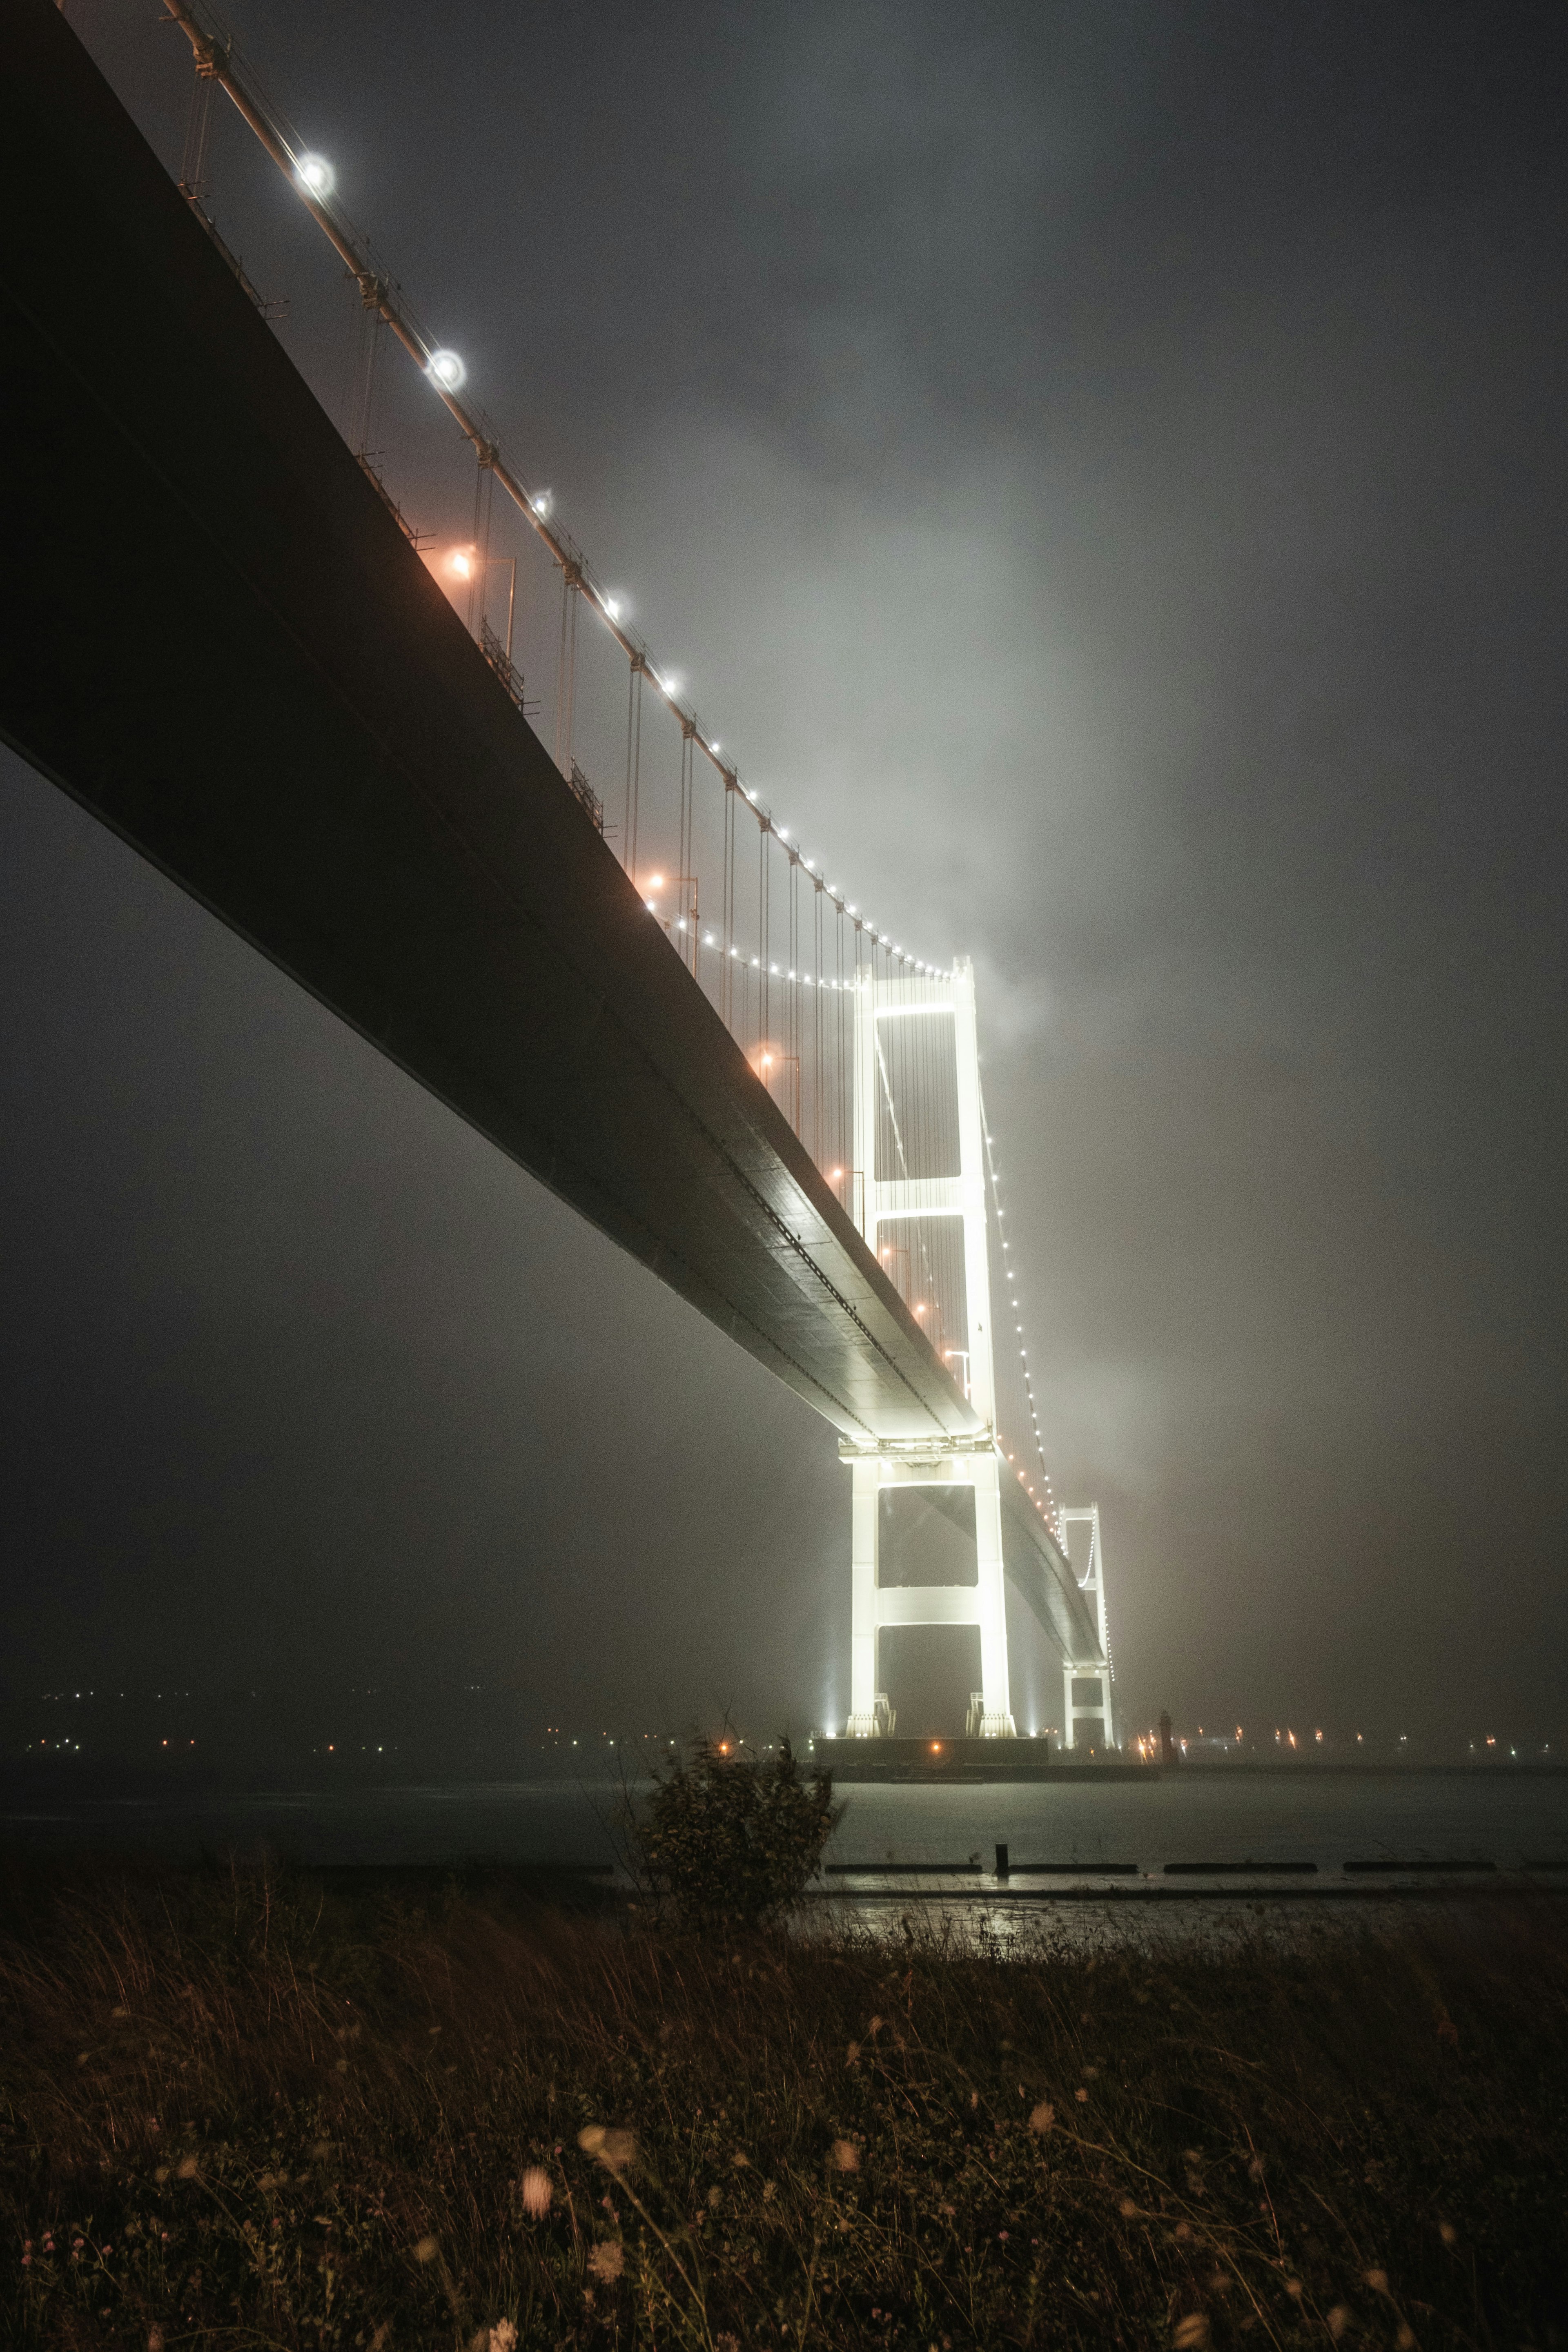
(243, 2108)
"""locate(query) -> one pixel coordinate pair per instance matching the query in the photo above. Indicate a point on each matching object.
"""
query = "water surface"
(1197, 1817)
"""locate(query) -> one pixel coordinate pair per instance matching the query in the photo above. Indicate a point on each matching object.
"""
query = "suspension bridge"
(233, 648)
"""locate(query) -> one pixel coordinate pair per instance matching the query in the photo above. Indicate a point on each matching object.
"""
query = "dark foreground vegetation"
(249, 2107)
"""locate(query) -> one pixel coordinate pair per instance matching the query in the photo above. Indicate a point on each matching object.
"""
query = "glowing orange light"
(656, 881)
(458, 562)
(767, 1061)
(922, 1308)
(835, 1176)
(936, 1747)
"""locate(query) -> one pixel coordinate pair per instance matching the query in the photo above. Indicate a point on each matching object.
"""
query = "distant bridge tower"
(919, 1162)
(1086, 1689)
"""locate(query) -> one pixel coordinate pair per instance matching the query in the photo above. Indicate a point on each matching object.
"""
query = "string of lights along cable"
(775, 941)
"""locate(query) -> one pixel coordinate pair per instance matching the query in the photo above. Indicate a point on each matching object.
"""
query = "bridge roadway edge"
(226, 649)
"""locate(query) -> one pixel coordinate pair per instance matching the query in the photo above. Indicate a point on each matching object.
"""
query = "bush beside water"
(248, 2108)
(730, 1838)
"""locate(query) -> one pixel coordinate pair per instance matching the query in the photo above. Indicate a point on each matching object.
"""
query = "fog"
(1102, 472)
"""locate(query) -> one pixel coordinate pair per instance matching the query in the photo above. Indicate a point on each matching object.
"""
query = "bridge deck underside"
(225, 647)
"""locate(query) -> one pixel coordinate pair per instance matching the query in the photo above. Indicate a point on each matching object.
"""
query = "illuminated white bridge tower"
(920, 1200)
(1086, 1688)
(921, 1205)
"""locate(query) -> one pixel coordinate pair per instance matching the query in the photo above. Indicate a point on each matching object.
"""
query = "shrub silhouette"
(730, 1836)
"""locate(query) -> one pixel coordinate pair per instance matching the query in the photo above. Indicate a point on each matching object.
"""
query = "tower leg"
(996, 1717)
(864, 1513)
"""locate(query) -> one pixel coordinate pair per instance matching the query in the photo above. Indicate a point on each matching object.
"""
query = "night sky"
(1100, 466)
